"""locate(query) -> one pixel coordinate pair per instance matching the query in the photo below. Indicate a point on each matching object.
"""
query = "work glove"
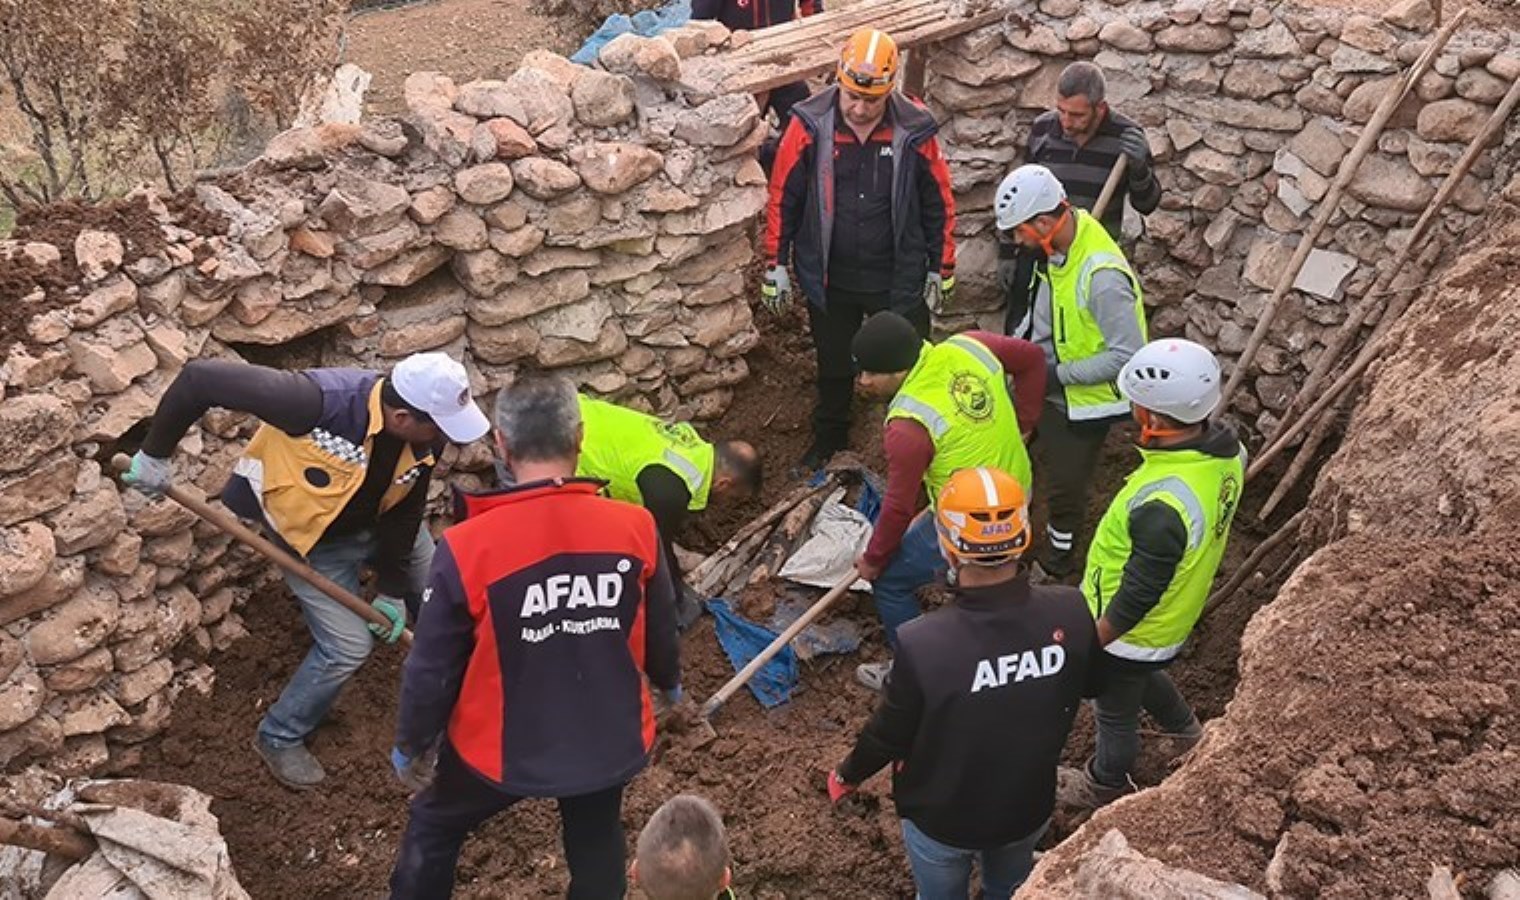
(149, 474)
(392, 609)
(1052, 375)
(838, 790)
(1137, 150)
(416, 772)
(938, 292)
(776, 290)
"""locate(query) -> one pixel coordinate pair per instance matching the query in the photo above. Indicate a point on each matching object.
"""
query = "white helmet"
(1174, 377)
(1026, 192)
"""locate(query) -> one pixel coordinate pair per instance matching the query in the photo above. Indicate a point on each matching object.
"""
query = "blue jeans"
(942, 872)
(918, 562)
(341, 638)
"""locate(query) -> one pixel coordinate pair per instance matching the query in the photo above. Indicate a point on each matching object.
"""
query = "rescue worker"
(683, 853)
(534, 658)
(1089, 319)
(338, 474)
(1155, 553)
(860, 205)
(978, 708)
(949, 410)
(1080, 142)
(666, 468)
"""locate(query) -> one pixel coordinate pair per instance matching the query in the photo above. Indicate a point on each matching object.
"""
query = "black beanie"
(886, 343)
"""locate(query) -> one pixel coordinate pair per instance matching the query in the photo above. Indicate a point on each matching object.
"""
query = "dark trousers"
(833, 328)
(1069, 454)
(458, 802)
(1128, 688)
(1016, 278)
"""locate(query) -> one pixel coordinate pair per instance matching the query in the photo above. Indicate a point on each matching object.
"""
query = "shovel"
(227, 523)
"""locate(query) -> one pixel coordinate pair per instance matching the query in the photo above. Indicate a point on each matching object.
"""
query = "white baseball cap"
(439, 386)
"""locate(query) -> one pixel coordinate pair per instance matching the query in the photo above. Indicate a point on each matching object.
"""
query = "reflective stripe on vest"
(1204, 491)
(1075, 333)
(619, 443)
(957, 391)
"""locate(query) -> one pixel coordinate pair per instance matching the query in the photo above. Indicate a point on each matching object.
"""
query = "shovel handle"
(776, 646)
(1110, 187)
(266, 548)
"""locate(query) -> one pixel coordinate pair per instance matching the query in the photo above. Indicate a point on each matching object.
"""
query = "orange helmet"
(868, 65)
(982, 517)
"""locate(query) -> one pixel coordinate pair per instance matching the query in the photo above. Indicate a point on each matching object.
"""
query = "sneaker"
(874, 675)
(293, 767)
(1076, 788)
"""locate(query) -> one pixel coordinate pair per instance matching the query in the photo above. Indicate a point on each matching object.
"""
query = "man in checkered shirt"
(338, 474)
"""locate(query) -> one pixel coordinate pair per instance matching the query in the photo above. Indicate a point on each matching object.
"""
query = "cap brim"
(464, 427)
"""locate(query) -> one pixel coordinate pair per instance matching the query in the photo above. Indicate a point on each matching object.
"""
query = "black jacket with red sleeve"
(799, 222)
(545, 611)
(749, 15)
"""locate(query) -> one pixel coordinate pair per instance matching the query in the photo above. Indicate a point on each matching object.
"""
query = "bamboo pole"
(1331, 203)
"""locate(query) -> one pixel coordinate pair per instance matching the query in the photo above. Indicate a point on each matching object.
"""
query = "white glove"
(149, 474)
(938, 291)
(776, 290)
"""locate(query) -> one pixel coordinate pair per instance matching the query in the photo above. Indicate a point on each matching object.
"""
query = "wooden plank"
(757, 79)
(890, 22)
(821, 46)
(767, 40)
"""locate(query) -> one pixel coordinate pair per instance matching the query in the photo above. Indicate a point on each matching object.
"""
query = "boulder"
(359, 205)
(720, 122)
(97, 253)
(612, 168)
(429, 92)
(489, 99)
(602, 99)
(484, 184)
(90, 521)
(76, 627)
(505, 139)
(1390, 184)
(1215, 167)
(1457, 121)
(631, 54)
(564, 72)
(735, 205)
(27, 552)
(544, 179)
(31, 426)
(555, 352)
(544, 102)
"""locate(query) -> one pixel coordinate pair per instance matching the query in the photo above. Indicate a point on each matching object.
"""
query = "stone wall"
(1250, 109)
(567, 218)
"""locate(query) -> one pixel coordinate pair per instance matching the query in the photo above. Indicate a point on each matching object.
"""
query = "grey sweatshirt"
(1113, 303)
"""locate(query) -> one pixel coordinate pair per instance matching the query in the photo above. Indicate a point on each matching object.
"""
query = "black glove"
(1137, 150)
(1052, 380)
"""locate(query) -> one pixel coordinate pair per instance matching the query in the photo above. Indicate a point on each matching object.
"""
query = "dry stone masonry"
(1250, 109)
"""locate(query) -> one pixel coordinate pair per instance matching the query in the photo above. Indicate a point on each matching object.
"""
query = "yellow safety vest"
(620, 443)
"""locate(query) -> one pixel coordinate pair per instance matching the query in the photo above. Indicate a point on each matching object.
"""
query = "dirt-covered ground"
(765, 772)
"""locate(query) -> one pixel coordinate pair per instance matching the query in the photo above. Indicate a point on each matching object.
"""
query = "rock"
(384, 137)
(1215, 167)
(1364, 33)
(119, 294)
(1390, 184)
(1001, 65)
(502, 139)
(1320, 147)
(27, 552)
(1456, 121)
(1253, 80)
(359, 206)
(544, 102)
(21, 698)
(484, 184)
(427, 206)
(1433, 86)
(559, 258)
(738, 204)
(449, 135)
(527, 297)
(751, 173)
(1325, 274)
(1433, 159)
(720, 122)
(573, 215)
(1182, 133)
(461, 229)
(1082, 28)
(429, 92)
(89, 714)
(1272, 42)
(1122, 35)
(43, 487)
(630, 54)
(1239, 113)
(1041, 40)
(501, 345)
(97, 253)
(112, 356)
(563, 71)
(76, 627)
(1265, 263)
(136, 686)
(518, 242)
(555, 352)
(581, 322)
(318, 244)
(484, 272)
(90, 521)
(602, 99)
(372, 250)
(1195, 38)
(612, 168)
(1479, 86)
(1416, 15)
(291, 321)
(120, 557)
(544, 179)
(1319, 101)
(1329, 794)
(1350, 60)
(410, 267)
(507, 216)
(1364, 101)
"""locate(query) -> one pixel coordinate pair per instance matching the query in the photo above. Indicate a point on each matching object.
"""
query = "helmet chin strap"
(1047, 239)
(1150, 430)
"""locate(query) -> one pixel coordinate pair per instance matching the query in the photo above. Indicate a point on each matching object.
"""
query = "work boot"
(874, 675)
(818, 455)
(1078, 789)
(293, 767)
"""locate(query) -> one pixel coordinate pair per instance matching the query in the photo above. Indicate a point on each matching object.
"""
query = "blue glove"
(149, 474)
(394, 610)
(414, 772)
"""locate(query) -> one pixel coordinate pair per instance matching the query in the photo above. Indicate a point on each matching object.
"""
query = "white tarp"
(837, 536)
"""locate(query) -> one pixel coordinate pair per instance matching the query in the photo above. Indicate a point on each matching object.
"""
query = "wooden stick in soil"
(765, 520)
(1111, 186)
(1304, 457)
(1331, 203)
(776, 646)
(1252, 563)
(1491, 129)
(718, 577)
(784, 540)
(62, 842)
(265, 548)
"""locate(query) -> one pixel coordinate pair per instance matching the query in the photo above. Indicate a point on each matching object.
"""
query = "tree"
(115, 90)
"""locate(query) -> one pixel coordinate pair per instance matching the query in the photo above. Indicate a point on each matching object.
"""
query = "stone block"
(484, 272)
(573, 215)
(428, 206)
(528, 297)
(502, 139)
(97, 253)
(75, 627)
(137, 686)
(1253, 80)
(88, 671)
(602, 99)
(517, 243)
(1215, 167)
(371, 250)
(1123, 35)
(117, 294)
(1274, 41)
(557, 258)
(87, 714)
(1239, 113)
(1364, 101)
(544, 179)
(502, 344)
(1195, 38)
(292, 320)
(631, 54)
(545, 103)
(461, 229)
(612, 168)
(490, 99)
(720, 122)
(47, 485)
(1390, 184)
(734, 205)
(556, 352)
(1458, 121)
(484, 184)
(27, 552)
(112, 356)
(410, 267)
(1416, 15)
(358, 205)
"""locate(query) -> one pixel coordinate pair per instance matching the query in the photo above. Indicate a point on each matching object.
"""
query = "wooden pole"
(766, 519)
(776, 646)
(1331, 203)
(1302, 459)
(267, 549)
(1252, 563)
(1110, 187)
(63, 842)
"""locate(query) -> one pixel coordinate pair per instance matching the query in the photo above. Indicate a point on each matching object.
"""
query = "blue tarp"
(645, 23)
(742, 640)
